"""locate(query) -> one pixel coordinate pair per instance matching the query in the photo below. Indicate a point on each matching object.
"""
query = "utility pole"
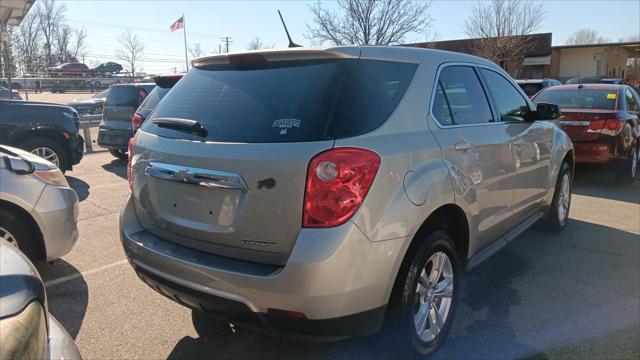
(227, 40)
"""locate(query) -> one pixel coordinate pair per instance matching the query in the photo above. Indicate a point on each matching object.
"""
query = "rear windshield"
(531, 88)
(580, 98)
(286, 101)
(126, 96)
(154, 97)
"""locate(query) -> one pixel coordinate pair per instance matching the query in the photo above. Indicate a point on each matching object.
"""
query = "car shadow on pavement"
(486, 290)
(534, 299)
(80, 186)
(67, 293)
(118, 167)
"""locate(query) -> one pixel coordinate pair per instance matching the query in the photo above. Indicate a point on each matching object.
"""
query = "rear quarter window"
(288, 101)
(151, 101)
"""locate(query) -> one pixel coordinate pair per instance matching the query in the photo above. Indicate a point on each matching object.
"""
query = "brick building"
(541, 60)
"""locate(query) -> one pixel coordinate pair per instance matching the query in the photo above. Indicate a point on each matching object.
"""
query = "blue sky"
(208, 21)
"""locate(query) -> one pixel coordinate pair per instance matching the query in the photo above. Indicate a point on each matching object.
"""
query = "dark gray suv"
(115, 127)
(339, 192)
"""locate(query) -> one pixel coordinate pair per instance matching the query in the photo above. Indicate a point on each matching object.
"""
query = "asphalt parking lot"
(575, 295)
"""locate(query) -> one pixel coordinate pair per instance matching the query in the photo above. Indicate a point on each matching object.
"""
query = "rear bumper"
(593, 153)
(336, 277)
(57, 214)
(114, 139)
(604, 150)
(360, 324)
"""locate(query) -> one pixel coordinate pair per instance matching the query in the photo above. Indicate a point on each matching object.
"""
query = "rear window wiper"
(190, 126)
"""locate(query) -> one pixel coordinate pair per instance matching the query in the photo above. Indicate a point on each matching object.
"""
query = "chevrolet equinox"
(339, 192)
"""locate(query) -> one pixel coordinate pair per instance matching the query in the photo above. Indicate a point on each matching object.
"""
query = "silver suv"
(337, 192)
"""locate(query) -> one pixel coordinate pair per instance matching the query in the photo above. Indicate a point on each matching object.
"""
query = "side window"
(632, 105)
(511, 105)
(459, 98)
(440, 108)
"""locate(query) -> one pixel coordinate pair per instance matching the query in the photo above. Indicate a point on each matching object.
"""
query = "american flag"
(178, 24)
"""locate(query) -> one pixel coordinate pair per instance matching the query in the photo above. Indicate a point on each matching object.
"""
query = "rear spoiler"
(262, 56)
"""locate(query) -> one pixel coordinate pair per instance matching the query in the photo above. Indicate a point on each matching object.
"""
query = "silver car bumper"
(332, 274)
(61, 345)
(57, 214)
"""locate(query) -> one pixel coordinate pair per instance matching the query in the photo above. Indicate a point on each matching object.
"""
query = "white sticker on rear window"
(286, 124)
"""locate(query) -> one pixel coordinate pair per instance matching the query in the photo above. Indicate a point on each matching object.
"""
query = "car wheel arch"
(450, 218)
(34, 226)
(45, 133)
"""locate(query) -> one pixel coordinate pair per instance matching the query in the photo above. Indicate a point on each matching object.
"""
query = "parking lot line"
(64, 279)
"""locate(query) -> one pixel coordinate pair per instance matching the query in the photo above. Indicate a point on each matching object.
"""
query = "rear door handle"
(463, 146)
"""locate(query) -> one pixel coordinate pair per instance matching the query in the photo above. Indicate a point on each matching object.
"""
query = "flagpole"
(184, 32)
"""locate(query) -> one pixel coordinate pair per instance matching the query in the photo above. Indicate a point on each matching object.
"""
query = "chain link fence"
(85, 94)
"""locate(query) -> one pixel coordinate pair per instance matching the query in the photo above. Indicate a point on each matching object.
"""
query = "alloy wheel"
(47, 154)
(6, 235)
(434, 296)
(564, 198)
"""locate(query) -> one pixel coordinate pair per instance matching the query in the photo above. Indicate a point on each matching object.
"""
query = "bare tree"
(28, 41)
(499, 26)
(257, 44)
(50, 17)
(79, 46)
(132, 48)
(630, 38)
(196, 50)
(378, 22)
(62, 42)
(585, 36)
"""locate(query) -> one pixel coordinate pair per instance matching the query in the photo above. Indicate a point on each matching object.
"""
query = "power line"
(135, 27)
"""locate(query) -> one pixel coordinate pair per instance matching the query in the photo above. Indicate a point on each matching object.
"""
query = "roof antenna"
(291, 43)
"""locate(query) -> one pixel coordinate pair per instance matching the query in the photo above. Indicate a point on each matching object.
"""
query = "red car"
(79, 69)
(602, 122)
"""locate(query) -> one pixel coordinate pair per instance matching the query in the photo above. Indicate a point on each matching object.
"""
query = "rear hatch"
(238, 190)
(121, 104)
(584, 111)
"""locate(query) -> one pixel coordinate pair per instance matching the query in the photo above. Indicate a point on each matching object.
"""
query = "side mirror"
(547, 111)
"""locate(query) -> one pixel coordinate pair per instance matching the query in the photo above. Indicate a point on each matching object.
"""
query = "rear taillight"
(136, 121)
(130, 148)
(338, 180)
(611, 127)
(596, 126)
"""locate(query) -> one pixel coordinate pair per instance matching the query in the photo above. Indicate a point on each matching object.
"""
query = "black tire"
(399, 331)
(628, 171)
(208, 327)
(22, 233)
(552, 222)
(41, 142)
(122, 155)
